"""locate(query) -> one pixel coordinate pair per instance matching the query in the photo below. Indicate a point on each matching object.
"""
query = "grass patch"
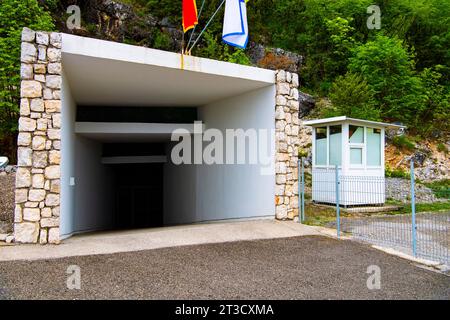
(319, 215)
(430, 207)
(442, 148)
(422, 207)
(440, 188)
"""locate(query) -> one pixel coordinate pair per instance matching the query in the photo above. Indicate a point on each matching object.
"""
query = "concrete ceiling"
(129, 132)
(111, 74)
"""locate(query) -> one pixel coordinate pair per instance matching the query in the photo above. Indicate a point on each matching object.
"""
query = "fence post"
(300, 213)
(338, 208)
(303, 190)
(413, 211)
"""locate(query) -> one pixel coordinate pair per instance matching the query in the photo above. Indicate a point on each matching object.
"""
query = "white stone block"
(52, 200)
(53, 82)
(26, 71)
(28, 53)
(24, 157)
(28, 35)
(32, 214)
(53, 235)
(30, 89)
(42, 38)
(26, 232)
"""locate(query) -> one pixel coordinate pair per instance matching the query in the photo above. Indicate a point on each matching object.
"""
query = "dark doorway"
(138, 196)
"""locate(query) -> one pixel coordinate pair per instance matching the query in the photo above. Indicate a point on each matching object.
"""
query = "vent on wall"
(136, 114)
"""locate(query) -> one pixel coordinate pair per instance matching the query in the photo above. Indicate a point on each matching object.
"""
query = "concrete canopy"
(98, 73)
(87, 177)
(114, 74)
(80, 186)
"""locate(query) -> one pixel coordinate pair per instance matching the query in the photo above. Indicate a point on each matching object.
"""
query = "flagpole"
(195, 27)
(182, 44)
(206, 26)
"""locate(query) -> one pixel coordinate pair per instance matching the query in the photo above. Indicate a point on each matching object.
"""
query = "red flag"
(189, 14)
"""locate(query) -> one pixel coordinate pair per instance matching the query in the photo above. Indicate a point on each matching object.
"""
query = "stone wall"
(400, 189)
(37, 197)
(287, 142)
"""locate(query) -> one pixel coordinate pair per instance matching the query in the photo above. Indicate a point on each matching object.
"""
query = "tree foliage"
(215, 50)
(398, 73)
(351, 96)
(389, 70)
(14, 15)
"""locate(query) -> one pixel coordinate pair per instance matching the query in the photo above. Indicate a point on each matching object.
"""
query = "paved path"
(145, 239)
(309, 267)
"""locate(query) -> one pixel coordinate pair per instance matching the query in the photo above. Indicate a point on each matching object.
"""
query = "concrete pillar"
(39, 141)
(287, 143)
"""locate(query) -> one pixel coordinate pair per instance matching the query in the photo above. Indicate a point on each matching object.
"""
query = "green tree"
(436, 111)
(216, 50)
(14, 15)
(389, 69)
(342, 42)
(351, 96)
(425, 26)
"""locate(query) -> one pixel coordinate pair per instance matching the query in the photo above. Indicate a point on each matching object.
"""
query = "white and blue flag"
(235, 27)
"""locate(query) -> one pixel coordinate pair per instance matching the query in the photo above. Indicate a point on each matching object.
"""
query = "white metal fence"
(362, 207)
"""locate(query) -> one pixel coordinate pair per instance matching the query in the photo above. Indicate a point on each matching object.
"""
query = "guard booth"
(356, 147)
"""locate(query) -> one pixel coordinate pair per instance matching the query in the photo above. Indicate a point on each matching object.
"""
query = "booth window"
(356, 156)
(335, 147)
(321, 146)
(373, 147)
(356, 134)
(356, 141)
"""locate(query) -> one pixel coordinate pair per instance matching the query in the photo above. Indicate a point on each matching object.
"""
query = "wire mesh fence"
(379, 210)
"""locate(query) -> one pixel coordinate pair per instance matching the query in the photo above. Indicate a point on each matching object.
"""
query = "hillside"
(399, 73)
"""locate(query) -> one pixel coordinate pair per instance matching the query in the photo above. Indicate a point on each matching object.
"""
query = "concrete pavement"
(146, 239)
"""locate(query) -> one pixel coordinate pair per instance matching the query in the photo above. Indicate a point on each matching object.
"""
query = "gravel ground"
(433, 233)
(312, 267)
(7, 185)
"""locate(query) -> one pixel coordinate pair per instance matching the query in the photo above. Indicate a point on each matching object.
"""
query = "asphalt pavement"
(308, 267)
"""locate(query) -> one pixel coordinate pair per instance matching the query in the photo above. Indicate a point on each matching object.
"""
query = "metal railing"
(368, 209)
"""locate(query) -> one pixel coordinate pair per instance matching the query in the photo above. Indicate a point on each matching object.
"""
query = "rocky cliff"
(117, 21)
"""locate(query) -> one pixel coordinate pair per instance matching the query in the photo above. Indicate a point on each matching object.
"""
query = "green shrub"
(161, 40)
(441, 188)
(302, 153)
(214, 49)
(351, 96)
(442, 148)
(14, 15)
(396, 173)
(403, 142)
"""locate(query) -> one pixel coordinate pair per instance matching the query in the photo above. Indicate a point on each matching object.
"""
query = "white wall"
(192, 193)
(224, 191)
(68, 109)
(94, 192)
(88, 204)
